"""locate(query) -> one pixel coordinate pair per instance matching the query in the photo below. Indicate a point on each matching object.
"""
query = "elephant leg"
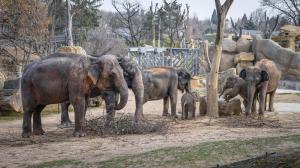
(37, 121)
(266, 100)
(173, 104)
(166, 106)
(271, 101)
(182, 112)
(245, 103)
(110, 101)
(26, 128)
(65, 119)
(254, 104)
(194, 111)
(79, 106)
(262, 103)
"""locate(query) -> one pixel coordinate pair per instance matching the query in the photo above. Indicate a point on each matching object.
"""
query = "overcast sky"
(202, 8)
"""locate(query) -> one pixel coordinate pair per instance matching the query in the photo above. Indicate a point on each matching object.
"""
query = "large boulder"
(12, 84)
(10, 101)
(243, 45)
(233, 107)
(227, 61)
(243, 60)
(229, 45)
(287, 60)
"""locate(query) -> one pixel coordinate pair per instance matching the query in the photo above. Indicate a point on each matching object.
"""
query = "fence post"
(206, 54)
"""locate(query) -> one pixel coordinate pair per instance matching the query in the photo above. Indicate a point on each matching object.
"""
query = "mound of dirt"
(125, 124)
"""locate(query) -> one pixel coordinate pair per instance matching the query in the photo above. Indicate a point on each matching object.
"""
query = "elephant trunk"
(122, 88)
(250, 97)
(138, 90)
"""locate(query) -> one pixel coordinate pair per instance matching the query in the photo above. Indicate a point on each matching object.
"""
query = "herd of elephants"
(68, 78)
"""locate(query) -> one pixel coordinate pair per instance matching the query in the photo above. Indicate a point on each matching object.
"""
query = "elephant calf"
(234, 86)
(162, 83)
(188, 105)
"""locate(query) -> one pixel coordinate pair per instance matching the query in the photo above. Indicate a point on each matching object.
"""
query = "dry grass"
(125, 124)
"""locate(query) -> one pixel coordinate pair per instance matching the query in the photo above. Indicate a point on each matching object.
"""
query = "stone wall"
(287, 60)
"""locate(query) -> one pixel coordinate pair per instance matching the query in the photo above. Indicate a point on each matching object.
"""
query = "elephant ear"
(243, 74)
(94, 72)
(264, 76)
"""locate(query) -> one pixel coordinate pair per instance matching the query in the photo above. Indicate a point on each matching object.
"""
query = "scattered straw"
(124, 124)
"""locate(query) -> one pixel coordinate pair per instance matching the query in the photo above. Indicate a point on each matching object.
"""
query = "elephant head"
(106, 74)
(184, 80)
(232, 87)
(254, 78)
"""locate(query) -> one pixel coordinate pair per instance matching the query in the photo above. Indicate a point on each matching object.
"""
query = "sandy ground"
(60, 144)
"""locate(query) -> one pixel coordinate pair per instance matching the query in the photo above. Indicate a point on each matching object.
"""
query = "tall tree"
(267, 25)
(212, 88)
(128, 23)
(289, 8)
(172, 15)
(28, 22)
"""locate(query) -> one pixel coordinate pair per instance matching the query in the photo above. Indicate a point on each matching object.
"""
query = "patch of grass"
(56, 163)
(208, 154)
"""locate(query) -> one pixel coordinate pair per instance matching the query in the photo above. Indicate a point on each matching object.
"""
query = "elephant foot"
(78, 134)
(174, 116)
(271, 110)
(66, 124)
(38, 131)
(260, 117)
(26, 134)
(165, 114)
(139, 117)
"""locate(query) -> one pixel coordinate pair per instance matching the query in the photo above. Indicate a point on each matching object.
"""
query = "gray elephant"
(162, 83)
(150, 84)
(188, 105)
(134, 80)
(261, 79)
(67, 77)
(234, 86)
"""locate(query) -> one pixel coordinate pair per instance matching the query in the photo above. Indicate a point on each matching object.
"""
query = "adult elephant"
(134, 80)
(261, 79)
(162, 83)
(150, 84)
(67, 77)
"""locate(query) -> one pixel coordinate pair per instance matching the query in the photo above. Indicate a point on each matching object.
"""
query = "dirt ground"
(59, 143)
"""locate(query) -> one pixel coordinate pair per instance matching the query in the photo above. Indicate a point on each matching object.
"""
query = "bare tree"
(212, 88)
(28, 24)
(264, 23)
(129, 22)
(237, 28)
(289, 8)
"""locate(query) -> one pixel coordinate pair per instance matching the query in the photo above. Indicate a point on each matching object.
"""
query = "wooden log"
(10, 101)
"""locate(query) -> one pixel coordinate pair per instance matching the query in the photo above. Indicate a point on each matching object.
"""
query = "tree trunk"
(212, 88)
(69, 25)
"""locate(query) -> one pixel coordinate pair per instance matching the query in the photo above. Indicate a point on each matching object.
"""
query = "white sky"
(202, 8)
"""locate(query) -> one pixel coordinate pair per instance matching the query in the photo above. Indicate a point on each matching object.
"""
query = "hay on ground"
(125, 124)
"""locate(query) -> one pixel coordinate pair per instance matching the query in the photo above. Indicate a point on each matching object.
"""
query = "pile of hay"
(125, 124)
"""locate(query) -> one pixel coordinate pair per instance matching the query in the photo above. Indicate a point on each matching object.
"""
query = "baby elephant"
(188, 105)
